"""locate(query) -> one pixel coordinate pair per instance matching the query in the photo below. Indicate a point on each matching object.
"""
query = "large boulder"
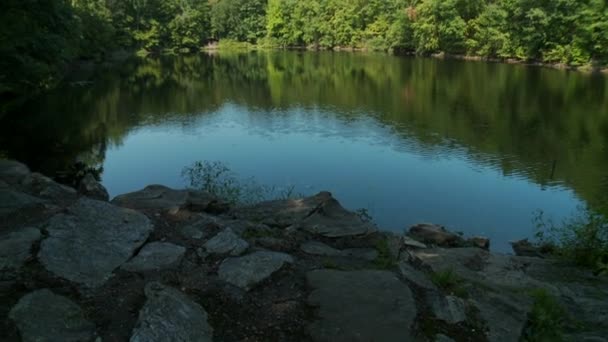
(90, 187)
(249, 270)
(41, 186)
(44, 316)
(169, 315)
(16, 248)
(360, 306)
(91, 239)
(319, 214)
(156, 256)
(158, 197)
(12, 201)
(13, 172)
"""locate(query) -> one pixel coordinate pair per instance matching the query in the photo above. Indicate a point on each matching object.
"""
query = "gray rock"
(248, 270)
(281, 213)
(90, 187)
(45, 316)
(360, 306)
(158, 197)
(449, 309)
(12, 172)
(434, 234)
(330, 219)
(525, 248)
(274, 243)
(12, 201)
(411, 243)
(319, 248)
(480, 242)
(16, 248)
(201, 228)
(44, 187)
(442, 338)
(504, 314)
(320, 214)
(368, 254)
(91, 239)
(499, 281)
(170, 315)
(226, 242)
(415, 276)
(156, 256)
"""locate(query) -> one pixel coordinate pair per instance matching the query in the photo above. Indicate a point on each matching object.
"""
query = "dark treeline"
(38, 38)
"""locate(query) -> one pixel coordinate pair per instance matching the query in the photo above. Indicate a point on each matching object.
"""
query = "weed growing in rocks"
(581, 239)
(450, 282)
(385, 260)
(218, 179)
(546, 320)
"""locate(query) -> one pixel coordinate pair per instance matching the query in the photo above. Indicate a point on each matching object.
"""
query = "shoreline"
(167, 262)
(242, 46)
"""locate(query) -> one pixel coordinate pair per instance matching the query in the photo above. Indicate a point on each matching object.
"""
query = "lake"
(477, 147)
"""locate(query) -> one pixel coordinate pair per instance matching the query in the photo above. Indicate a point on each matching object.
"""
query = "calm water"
(476, 147)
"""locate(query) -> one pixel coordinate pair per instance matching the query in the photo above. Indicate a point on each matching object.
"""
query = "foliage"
(217, 179)
(582, 238)
(450, 282)
(39, 38)
(385, 259)
(547, 319)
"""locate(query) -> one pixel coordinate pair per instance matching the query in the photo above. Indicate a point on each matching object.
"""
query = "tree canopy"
(39, 38)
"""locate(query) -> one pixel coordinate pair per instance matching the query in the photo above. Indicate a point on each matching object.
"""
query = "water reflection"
(472, 145)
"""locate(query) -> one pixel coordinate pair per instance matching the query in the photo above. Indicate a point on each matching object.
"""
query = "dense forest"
(39, 38)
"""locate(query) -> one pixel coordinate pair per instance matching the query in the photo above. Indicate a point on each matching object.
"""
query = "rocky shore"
(180, 265)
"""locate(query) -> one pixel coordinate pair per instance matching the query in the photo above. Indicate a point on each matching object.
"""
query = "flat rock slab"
(319, 248)
(360, 306)
(169, 315)
(16, 248)
(156, 256)
(160, 197)
(226, 242)
(45, 316)
(248, 270)
(91, 239)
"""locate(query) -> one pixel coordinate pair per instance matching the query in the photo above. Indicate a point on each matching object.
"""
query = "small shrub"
(364, 215)
(547, 319)
(581, 239)
(450, 282)
(217, 179)
(329, 264)
(385, 259)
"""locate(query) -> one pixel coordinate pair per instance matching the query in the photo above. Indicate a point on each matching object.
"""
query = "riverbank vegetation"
(39, 39)
(581, 239)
